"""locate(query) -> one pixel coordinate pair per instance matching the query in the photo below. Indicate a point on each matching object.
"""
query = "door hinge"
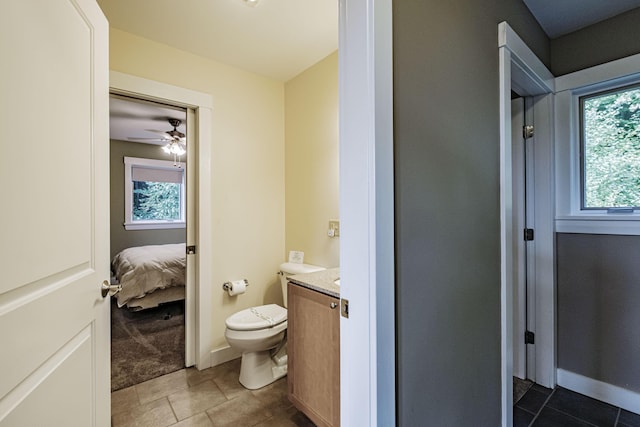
(527, 131)
(191, 250)
(344, 307)
(529, 337)
(528, 234)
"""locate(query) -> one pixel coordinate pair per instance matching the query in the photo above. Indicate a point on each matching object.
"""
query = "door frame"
(367, 258)
(522, 71)
(198, 320)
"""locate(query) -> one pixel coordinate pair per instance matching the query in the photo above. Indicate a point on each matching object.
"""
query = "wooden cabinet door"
(314, 354)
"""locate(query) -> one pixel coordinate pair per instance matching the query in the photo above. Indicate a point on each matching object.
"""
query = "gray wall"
(611, 39)
(447, 206)
(121, 238)
(598, 307)
(598, 275)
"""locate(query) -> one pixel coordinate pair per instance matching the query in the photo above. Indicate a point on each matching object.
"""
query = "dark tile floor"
(543, 407)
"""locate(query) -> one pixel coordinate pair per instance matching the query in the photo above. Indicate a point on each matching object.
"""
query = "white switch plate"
(334, 228)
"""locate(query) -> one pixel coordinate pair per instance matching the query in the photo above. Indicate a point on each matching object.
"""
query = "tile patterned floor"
(543, 407)
(212, 397)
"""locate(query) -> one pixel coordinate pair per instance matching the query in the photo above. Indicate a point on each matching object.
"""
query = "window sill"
(154, 225)
(603, 223)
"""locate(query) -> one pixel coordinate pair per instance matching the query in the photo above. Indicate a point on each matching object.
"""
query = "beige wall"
(247, 166)
(311, 165)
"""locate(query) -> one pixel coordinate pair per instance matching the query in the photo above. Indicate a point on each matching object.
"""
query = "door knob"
(109, 289)
(333, 305)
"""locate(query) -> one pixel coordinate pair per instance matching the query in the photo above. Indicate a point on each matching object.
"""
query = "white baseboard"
(223, 354)
(614, 395)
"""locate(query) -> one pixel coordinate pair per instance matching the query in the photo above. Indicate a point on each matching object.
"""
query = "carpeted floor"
(146, 344)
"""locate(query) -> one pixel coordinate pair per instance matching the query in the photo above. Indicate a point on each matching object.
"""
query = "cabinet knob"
(333, 305)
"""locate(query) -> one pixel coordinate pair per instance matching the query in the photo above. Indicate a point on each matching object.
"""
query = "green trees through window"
(156, 201)
(611, 149)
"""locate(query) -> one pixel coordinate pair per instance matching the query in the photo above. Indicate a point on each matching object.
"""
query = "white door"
(519, 247)
(54, 323)
(523, 249)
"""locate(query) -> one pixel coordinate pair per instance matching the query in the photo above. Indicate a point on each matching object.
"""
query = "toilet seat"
(256, 318)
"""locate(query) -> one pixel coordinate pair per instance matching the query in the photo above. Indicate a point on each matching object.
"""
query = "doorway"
(522, 72)
(149, 206)
(198, 108)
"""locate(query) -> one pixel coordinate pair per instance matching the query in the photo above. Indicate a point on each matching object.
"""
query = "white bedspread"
(143, 269)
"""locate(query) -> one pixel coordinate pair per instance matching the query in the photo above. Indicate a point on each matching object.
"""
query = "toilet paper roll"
(237, 287)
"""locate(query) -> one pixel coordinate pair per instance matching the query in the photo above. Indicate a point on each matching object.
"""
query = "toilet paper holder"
(227, 285)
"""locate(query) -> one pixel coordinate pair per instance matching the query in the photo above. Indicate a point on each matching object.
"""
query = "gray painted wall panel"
(614, 38)
(598, 277)
(121, 238)
(447, 206)
(598, 307)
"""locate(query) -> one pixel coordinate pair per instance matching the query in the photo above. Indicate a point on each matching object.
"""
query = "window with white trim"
(597, 138)
(154, 194)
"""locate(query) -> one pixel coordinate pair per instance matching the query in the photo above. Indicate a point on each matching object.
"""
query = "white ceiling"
(276, 38)
(130, 118)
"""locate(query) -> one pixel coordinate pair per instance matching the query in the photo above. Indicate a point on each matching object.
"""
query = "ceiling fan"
(176, 141)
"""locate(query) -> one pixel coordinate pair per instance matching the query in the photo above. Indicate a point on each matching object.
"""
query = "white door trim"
(367, 337)
(521, 70)
(198, 334)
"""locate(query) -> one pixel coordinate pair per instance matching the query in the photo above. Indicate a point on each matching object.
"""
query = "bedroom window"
(154, 194)
(610, 149)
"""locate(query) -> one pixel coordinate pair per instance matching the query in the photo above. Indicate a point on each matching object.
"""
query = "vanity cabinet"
(313, 347)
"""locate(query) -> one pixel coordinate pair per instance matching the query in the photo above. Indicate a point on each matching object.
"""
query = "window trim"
(129, 223)
(570, 217)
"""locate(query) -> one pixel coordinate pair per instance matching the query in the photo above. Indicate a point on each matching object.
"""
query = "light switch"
(334, 228)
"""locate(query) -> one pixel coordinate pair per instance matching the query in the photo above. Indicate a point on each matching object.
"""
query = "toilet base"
(258, 369)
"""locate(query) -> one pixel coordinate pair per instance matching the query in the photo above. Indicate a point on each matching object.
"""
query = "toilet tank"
(291, 269)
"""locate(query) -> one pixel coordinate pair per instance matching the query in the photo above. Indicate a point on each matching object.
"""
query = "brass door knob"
(109, 289)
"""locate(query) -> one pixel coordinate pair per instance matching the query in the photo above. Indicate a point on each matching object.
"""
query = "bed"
(150, 275)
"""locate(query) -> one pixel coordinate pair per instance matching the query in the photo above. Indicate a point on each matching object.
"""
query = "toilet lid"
(254, 318)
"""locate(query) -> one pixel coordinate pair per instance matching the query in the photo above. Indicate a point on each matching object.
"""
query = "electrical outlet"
(334, 228)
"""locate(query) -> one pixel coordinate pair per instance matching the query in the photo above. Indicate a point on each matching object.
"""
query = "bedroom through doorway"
(148, 185)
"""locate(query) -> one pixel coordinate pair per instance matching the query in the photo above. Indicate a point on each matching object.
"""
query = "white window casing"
(139, 169)
(570, 218)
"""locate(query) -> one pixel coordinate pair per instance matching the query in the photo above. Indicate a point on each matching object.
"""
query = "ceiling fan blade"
(150, 139)
(158, 132)
(170, 136)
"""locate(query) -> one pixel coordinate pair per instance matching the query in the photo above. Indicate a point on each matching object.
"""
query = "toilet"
(259, 333)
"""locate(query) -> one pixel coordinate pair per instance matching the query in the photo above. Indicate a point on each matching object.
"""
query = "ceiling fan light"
(178, 150)
(251, 3)
(174, 147)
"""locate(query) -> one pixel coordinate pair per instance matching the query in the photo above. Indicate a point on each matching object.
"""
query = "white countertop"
(322, 281)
